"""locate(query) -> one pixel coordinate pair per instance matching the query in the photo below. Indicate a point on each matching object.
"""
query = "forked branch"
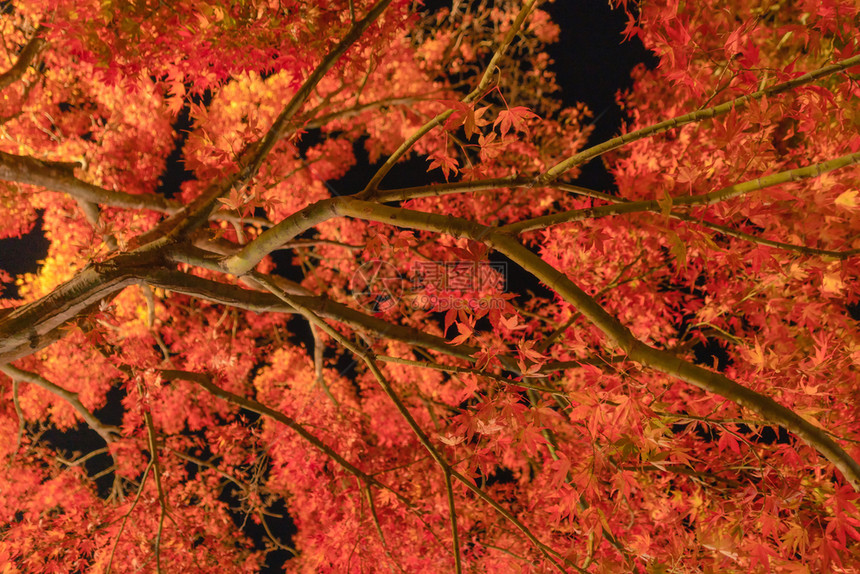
(697, 116)
(371, 188)
(370, 361)
(665, 362)
(107, 432)
(623, 206)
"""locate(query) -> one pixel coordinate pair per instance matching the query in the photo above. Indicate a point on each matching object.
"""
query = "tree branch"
(360, 108)
(369, 494)
(697, 116)
(25, 58)
(127, 514)
(623, 206)
(260, 302)
(367, 356)
(107, 432)
(54, 176)
(251, 405)
(31, 171)
(255, 154)
(20, 414)
(669, 364)
(370, 190)
(263, 410)
(452, 369)
(767, 242)
(662, 361)
(156, 473)
(440, 189)
(28, 328)
(452, 513)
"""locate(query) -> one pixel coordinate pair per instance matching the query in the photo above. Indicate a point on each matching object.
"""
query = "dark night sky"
(592, 64)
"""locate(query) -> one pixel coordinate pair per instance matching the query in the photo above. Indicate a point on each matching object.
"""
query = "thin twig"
(452, 369)
(369, 494)
(452, 512)
(107, 432)
(696, 116)
(84, 458)
(319, 349)
(272, 536)
(127, 514)
(369, 359)
(377, 178)
(623, 206)
(20, 413)
(156, 468)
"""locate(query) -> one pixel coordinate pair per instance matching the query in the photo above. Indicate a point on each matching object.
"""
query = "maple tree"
(429, 426)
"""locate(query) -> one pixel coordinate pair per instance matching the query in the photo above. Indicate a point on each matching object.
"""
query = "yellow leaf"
(832, 284)
(757, 356)
(665, 204)
(847, 199)
(678, 249)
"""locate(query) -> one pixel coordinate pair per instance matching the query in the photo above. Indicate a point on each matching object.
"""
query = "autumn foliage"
(669, 381)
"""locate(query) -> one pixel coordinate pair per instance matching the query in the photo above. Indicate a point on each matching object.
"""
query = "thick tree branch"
(28, 328)
(669, 364)
(31, 171)
(261, 302)
(311, 216)
(255, 154)
(663, 361)
(54, 176)
(25, 58)
(287, 230)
